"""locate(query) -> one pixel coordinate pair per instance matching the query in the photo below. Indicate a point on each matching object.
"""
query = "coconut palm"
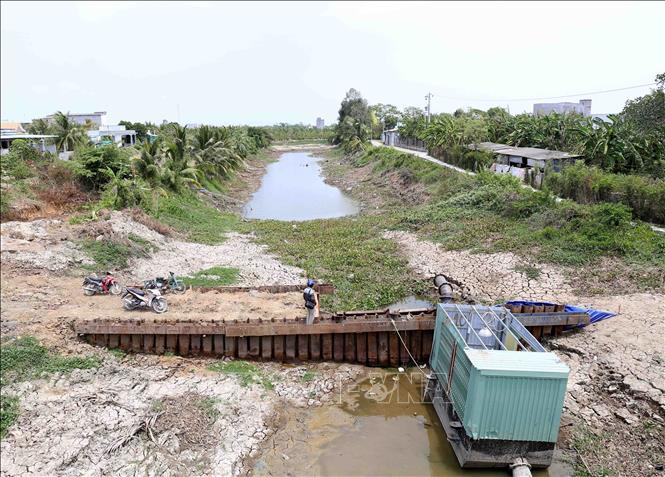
(146, 165)
(69, 134)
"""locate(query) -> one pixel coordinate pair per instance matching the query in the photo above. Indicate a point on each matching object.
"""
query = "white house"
(41, 142)
(116, 134)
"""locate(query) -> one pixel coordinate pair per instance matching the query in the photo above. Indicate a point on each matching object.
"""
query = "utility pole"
(429, 105)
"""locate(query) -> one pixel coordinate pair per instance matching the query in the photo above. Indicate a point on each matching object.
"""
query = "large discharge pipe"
(521, 468)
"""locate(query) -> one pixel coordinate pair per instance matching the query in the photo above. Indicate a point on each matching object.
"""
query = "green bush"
(587, 185)
(17, 162)
(92, 164)
(460, 156)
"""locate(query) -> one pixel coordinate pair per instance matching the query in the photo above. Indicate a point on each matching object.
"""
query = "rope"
(407, 350)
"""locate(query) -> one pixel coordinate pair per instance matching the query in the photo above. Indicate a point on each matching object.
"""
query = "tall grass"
(588, 185)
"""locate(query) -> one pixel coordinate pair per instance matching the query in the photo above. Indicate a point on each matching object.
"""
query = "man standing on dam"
(311, 301)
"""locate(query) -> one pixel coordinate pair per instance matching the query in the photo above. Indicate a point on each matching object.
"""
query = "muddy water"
(293, 189)
(379, 427)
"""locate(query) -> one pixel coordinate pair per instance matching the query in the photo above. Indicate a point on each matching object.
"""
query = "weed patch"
(308, 376)
(9, 411)
(24, 359)
(208, 406)
(197, 221)
(247, 373)
(215, 276)
(107, 254)
(531, 272)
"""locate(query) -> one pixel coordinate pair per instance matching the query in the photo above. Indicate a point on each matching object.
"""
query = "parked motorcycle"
(172, 283)
(150, 298)
(108, 284)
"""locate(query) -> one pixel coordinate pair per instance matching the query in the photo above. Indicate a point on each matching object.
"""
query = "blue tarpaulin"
(594, 315)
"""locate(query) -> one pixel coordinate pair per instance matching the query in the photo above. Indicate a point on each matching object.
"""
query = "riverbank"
(403, 235)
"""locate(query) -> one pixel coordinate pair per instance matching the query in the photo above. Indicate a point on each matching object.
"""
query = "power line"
(551, 97)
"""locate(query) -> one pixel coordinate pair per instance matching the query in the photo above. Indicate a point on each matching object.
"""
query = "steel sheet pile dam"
(373, 338)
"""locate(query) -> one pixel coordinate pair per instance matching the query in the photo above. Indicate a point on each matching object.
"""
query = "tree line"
(631, 142)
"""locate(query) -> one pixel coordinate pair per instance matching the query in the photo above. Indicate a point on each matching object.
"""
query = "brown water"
(379, 428)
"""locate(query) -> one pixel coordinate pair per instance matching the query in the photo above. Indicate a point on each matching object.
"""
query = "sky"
(264, 63)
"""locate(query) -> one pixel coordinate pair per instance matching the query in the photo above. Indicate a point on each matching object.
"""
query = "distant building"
(82, 118)
(11, 127)
(390, 137)
(116, 134)
(41, 142)
(320, 123)
(524, 161)
(583, 108)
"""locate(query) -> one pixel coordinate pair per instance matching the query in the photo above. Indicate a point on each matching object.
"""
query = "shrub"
(91, 165)
(460, 156)
(588, 185)
(17, 161)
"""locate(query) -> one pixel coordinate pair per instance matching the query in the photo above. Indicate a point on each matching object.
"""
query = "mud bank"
(145, 415)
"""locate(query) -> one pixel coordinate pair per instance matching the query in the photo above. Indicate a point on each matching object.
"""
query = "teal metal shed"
(501, 385)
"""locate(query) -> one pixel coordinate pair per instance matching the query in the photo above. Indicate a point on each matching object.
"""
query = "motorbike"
(108, 284)
(165, 285)
(149, 298)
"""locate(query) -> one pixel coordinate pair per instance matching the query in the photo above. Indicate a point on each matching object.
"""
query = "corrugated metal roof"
(535, 153)
(509, 362)
(528, 152)
(26, 136)
(488, 146)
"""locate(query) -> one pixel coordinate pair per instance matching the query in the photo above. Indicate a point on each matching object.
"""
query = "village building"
(522, 161)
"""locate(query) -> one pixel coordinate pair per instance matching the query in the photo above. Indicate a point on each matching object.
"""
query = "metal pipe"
(521, 468)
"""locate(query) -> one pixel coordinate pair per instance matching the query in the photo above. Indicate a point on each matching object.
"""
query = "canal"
(293, 188)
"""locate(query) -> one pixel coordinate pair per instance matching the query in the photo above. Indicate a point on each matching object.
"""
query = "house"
(113, 134)
(583, 107)
(11, 127)
(94, 119)
(42, 142)
(390, 137)
(524, 161)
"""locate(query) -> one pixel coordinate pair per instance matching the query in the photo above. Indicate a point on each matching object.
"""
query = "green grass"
(215, 276)
(247, 373)
(531, 272)
(107, 254)
(9, 411)
(492, 213)
(142, 243)
(24, 358)
(199, 222)
(367, 270)
(308, 376)
(117, 353)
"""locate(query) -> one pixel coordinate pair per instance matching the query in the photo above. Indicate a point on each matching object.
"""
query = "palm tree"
(146, 165)
(69, 133)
